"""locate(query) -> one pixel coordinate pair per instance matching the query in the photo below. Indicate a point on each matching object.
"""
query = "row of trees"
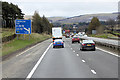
(118, 18)
(95, 24)
(10, 12)
(41, 24)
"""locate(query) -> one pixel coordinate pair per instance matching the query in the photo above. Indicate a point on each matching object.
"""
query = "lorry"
(67, 33)
(56, 33)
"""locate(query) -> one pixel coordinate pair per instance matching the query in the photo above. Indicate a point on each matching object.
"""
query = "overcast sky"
(66, 8)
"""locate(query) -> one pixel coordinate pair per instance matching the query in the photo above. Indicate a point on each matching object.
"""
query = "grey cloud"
(68, 8)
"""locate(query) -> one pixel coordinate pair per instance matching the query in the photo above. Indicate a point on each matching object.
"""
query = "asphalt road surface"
(68, 62)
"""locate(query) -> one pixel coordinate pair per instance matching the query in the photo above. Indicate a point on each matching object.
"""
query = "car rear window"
(58, 41)
(88, 41)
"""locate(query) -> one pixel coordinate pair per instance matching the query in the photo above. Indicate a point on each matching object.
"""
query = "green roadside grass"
(15, 44)
(116, 33)
(7, 32)
(103, 36)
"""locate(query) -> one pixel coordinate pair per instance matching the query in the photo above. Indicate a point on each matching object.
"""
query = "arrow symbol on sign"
(27, 29)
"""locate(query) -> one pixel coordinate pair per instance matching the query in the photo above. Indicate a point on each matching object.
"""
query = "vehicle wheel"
(94, 49)
(53, 46)
(62, 46)
(72, 42)
(81, 49)
(78, 41)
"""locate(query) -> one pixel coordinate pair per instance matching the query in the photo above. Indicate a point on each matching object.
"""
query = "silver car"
(87, 45)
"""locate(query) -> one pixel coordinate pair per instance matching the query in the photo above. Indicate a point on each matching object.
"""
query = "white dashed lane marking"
(77, 54)
(83, 60)
(73, 51)
(93, 71)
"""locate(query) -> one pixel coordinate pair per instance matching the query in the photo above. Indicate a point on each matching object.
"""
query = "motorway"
(68, 62)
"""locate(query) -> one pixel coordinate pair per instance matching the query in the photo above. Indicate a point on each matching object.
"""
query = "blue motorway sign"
(23, 26)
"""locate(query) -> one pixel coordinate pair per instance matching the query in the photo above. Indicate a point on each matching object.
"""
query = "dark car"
(87, 45)
(58, 43)
(75, 39)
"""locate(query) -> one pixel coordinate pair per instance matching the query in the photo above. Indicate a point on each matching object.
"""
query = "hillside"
(54, 19)
(88, 17)
(51, 19)
(81, 18)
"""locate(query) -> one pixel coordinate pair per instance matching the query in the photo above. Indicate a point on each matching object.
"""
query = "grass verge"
(7, 32)
(107, 36)
(15, 44)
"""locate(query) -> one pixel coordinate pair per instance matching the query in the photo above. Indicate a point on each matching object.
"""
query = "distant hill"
(80, 18)
(54, 19)
(51, 19)
(88, 17)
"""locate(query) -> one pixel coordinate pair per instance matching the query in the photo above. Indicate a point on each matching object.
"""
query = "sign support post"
(17, 36)
(23, 37)
(29, 36)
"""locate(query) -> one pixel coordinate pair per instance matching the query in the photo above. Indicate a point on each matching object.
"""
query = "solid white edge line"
(108, 52)
(37, 64)
(93, 71)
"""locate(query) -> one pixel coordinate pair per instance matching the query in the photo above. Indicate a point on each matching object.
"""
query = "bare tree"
(111, 23)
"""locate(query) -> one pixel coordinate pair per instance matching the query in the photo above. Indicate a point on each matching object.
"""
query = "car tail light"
(93, 44)
(53, 43)
(83, 44)
(62, 42)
